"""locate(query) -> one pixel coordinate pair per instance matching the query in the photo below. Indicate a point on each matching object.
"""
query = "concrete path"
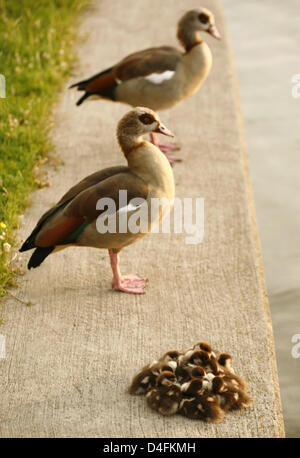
(71, 356)
(267, 57)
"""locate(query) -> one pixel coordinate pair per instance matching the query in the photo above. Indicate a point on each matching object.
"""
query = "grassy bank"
(37, 39)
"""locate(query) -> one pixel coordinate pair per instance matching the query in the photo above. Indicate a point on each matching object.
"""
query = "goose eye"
(203, 18)
(146, 119)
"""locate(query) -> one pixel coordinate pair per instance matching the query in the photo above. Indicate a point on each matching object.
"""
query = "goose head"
(137, 123)
(193, 22)
(141, 121)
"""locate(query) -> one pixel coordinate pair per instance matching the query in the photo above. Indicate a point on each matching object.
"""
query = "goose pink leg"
(126, 283)
(165, 147)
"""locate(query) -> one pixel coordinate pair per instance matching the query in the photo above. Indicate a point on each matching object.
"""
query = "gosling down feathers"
(199, 384)
(73, 220)
(161, 77)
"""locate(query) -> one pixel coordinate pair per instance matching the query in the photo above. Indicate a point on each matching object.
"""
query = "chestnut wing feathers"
(143, 63)
(87, 182)
(138, 64)
(84, 205)
(78, 206)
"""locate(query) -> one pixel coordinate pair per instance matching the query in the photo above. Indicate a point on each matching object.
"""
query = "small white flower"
(6, 247)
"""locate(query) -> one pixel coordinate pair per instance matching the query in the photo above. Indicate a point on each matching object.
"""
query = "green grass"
(37, 40)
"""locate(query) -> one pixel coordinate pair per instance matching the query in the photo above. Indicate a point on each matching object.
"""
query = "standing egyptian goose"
(158, 78)
(73, 220)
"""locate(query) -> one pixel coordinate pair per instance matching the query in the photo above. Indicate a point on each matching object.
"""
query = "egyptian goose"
(73, 220)
(158, 78)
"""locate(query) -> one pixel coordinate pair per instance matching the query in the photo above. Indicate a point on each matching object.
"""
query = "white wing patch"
(158, 78)
(128, 208)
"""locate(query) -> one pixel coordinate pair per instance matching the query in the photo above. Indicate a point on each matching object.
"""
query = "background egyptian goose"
(158, 78)
(73, 220)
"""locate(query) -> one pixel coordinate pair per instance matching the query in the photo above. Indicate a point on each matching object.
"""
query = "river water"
(265, 37)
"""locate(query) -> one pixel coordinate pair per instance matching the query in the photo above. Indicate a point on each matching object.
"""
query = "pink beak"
(213, 31)
(161, 129)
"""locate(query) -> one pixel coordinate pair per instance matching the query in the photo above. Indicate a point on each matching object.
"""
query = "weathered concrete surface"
(71, 356)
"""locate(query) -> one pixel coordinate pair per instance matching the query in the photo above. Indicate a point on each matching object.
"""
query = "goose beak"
(213, 31)
(161, 129)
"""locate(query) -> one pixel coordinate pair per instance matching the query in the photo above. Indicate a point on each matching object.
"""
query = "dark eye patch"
(203, 18)
(146, 118)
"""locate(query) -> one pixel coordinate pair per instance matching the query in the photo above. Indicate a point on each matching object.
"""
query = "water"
(265, 38)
